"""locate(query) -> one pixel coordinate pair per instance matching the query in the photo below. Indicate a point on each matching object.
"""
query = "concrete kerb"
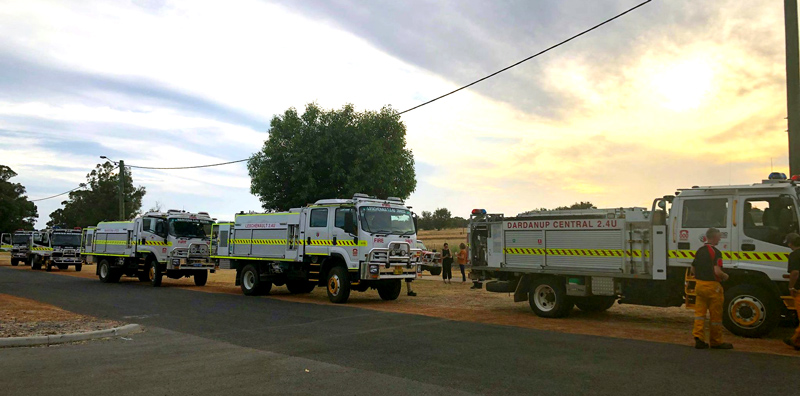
(62, 338)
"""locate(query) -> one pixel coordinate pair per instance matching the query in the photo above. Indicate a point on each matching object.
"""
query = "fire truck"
(344, 244)
(55, 247)
(157, 244)
(5, 242)
(595, 257)
(19, 246)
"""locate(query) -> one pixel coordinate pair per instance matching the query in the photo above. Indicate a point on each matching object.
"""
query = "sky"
(675, 94)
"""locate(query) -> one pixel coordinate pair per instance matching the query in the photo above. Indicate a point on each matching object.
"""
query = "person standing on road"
(447, 264)
(793, 240)
(707, 270)
(463, 259)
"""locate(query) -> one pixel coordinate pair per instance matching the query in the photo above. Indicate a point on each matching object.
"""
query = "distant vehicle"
(5, 242)
(431, 261)
(19, 246)
(172, 244)
(594, 257)
(356, 244)
(55, 247)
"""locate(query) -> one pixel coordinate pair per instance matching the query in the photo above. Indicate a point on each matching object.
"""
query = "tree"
(332, 154)
(16, 211)
(99, 201)
(441, 218)
(425, 222)
(577, 205)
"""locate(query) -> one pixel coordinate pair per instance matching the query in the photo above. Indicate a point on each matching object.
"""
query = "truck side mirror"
(415, 218)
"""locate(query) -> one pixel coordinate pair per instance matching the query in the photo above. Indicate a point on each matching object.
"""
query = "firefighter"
(793, 240)
(707, 270)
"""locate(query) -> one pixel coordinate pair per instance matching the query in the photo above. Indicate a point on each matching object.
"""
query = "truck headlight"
(373, 269)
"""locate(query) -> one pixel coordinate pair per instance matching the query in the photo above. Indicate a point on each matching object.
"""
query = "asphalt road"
(205, 343)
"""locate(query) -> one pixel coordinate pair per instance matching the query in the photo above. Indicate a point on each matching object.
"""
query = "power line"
(529, 58)
(58, 195)
(188, 167)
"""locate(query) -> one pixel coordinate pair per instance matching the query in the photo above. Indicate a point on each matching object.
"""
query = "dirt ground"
(458, 302)
(20, 317)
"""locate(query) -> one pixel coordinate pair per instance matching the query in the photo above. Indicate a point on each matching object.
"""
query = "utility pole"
(792, 84)
(122, 190)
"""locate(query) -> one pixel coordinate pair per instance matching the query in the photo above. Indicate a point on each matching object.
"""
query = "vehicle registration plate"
(398, 270)
(197, 265)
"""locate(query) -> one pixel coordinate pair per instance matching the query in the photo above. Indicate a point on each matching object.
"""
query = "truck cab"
(19, 246)
(39, 249)
(65, 245)
(5, 242)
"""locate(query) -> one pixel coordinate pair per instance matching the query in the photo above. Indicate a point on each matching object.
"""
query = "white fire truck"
(19, 246)
(55, 247)
(592, 258)
(5, 242)
(344, 244)
(172, 244)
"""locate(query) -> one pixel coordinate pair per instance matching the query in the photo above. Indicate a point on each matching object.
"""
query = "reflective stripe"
(42, 248)
(106, 242)
(673, 254)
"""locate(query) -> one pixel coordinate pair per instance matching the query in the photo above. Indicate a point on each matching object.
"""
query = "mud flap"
(521, 294)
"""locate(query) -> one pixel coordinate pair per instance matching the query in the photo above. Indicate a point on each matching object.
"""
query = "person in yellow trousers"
(793, 240)
(707, 269)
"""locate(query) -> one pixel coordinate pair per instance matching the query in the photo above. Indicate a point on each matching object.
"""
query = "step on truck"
(342, 244)
(19, 246)
(172, 244)
(592, 258)
(57, 247)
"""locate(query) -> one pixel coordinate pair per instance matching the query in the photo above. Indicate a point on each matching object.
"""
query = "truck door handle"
(334, 241)
(308, 242)
(748, 247)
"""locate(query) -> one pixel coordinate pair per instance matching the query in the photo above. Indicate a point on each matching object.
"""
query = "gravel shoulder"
(21, 317)
(458, 302)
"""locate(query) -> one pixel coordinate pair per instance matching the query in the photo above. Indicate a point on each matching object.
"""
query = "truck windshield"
(21, 239)
(383, 220)
(189, 228)
(66, 240)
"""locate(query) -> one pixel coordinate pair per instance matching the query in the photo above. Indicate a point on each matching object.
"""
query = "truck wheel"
(35, 263)
(548, 298)
(200, 278)
(595, 303)
(390, 290)
(338, 285)
(48, 267)
(78, 267)
(252, 284)
(154, 273)
(750, 311)
(436, 271)
(14, 262)
(299, 286)
(105, 273)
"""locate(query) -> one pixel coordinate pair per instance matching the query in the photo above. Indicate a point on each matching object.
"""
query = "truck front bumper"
(190, 264)
(378, 271)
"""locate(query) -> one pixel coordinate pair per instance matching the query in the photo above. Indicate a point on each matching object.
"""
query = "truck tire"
(154, 273)
(389, 290)
(48, 267)
(435, 271)
(338, 285)
(14, 262)
(595, 303)
(35, 263)
(750, 311)
(548, 298)
(251, 283)
(106, 273)
(200, 278)
(78, 267)
(300, 286)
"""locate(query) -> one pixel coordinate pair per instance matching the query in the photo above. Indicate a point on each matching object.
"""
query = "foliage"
(440, 219)
(16, 211)
(99, 201)
(332, 154)
(576, 205)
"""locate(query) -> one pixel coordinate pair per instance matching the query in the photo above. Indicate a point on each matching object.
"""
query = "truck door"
(220, 237)
(317, 234)
(766, 219)
(694, 217)
(344, 232)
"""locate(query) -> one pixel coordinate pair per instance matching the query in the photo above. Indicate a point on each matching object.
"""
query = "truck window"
(6, 239)
(340, 215)
(768, 220)
(148, 225)
(223, 239)
(705, 213)
(319, 218)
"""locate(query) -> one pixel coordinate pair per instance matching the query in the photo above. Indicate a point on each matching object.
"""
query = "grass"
(434, 239)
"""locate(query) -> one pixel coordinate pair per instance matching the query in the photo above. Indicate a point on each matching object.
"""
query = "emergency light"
(796, 178)
(777, 176)
(479, 211)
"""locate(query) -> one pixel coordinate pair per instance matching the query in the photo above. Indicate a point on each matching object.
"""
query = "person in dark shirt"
(447, 264)
(793, 240)
(707, 270)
